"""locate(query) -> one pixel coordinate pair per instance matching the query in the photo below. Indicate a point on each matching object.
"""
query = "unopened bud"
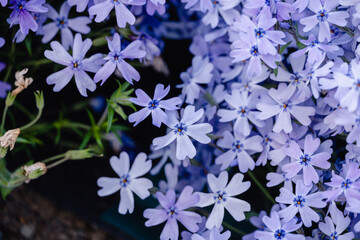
(34, 171)
(21, 82)
(9, 138)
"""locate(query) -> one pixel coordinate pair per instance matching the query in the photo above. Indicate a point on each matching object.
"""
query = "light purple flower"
(223, 8)
(153, 106)
(244, 49)
(182, 130)
(315, 49)
(21, 14)
(281, 9)
(2, 42)
(276, 230)
(300, 202)
(198, 73)
(128, 181)
(64, 24)
(347, 182)
(75, 65)
(242, 108)
(266, 38)
(284, 109)
(306, 160)
(354, 206)
(115, 59)
(123, 14)
(240, 149)
(214, 234)
(4, 88)
(3, 2)
(323, 16)
(80, 4)
(222, 196)
(172, 211)
(341, 222)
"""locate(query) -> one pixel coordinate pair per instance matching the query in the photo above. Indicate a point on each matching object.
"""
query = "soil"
(27, 215)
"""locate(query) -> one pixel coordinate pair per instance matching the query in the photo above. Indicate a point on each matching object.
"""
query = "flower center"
(220, 197)
(254, 51)
(279, 234)
(346, 184)
(313, 43)
(259, 33)
(75, 64)
(61, 22)
(124, 180)
(243, 111)
(171, 211)
(322, 15)
(237, 146)
(305, 159)
(180, 128)
(333, 236)
(153, 104)
(299, 201)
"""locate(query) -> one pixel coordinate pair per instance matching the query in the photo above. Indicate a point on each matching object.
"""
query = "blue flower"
(153, 106)
(115, 59)
(76, 65)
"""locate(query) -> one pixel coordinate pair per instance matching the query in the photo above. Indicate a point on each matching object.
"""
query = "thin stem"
(8, 72)
(262, 188)
(3, 118)
(57, 163)
(32, 122)
(53, 158)
(103, 117)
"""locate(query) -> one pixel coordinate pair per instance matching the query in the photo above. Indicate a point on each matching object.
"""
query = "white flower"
(128, 181)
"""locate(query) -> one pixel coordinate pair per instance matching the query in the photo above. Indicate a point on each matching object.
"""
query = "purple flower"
(173, 211)
(281, 9)
(242, 106)
(248, 48)
(222, 196)
(265, 37)
(2, 42)
(80, 4)
(21, 14)
(346, 183)
(128, 181)
(75, 65)
(239, 148)
(213, 234)
(300, 202)
(4, 88)
(153, 106)
(182, 130)
(225, 9)
(3, 2)
(341, 222)
(315, 49)
(306, 160)
(115, 59)
(123, 14)
(64, 24)
(323, 16)
(283, 109)
(198, 73)
(277, 230)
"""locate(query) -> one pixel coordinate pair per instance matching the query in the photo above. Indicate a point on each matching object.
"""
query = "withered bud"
(9, 138)
(34, 171)
(21, 82)
(160, 66)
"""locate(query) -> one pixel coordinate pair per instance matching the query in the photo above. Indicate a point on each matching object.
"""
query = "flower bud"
(9, 138)
(34, 171)
(21, 82)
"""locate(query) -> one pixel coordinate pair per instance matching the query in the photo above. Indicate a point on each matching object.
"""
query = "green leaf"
(28, 45)
(110, 118)
(284, 47)
(85, 140)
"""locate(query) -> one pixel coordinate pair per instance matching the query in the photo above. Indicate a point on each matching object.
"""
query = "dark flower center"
(237, 146)
(254, 51)
(259, 33)
(322, 15)
(305, 159)
(346, 184)
(171, 212)
(153, 104)
(299, 201)
(180, 128)
(220, 197)
(124, 180)
(279, 234)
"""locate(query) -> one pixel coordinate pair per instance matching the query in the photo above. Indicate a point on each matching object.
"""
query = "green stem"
(36, 63)
(3, 119)
(33, 121)
(57, 162)
(8, 72)
(53, 158)
(262, 188)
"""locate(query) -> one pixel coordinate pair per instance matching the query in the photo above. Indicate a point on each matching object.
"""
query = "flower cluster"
(271, 83)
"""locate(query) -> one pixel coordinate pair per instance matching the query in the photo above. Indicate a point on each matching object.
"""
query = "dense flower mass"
(272, 92)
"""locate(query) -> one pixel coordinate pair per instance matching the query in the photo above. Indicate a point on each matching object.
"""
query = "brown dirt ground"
(27, 215)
